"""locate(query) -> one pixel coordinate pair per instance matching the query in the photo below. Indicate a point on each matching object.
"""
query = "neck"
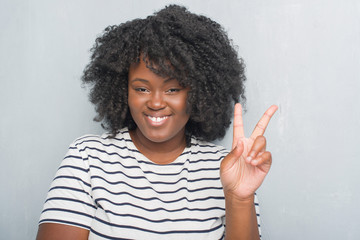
(159, 152)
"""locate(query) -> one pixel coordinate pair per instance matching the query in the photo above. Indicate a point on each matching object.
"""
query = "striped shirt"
(107, 186)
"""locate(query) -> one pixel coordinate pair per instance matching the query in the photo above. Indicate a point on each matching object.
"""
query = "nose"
(156, 101)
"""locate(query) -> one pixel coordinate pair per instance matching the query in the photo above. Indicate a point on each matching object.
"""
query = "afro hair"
(174, 43)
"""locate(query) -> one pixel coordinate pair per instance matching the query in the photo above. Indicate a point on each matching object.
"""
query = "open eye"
(173, 90)
(141, 89)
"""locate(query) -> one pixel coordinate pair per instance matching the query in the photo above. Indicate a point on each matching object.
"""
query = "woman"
(163, 87)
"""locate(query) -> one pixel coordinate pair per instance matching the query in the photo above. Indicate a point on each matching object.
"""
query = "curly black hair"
(174, 43)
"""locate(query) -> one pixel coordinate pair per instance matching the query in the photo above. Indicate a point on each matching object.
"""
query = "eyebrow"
(140, 80)
(146, 81)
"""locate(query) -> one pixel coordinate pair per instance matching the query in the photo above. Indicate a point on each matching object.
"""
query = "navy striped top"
(107, 186)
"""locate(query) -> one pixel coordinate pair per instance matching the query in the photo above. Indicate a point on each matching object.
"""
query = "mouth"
(157, 121)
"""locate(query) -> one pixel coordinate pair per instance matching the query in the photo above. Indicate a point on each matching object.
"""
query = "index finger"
(263, 122)
(238, 127)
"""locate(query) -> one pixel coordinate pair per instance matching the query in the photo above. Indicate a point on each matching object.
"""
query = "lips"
(156, 121)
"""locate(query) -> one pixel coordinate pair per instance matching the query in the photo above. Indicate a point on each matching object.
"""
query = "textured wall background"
(303, 55)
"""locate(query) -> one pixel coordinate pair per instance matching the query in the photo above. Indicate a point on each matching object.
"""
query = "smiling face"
(157, 105)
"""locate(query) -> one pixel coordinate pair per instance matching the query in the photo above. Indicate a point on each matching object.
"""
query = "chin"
(158, 138)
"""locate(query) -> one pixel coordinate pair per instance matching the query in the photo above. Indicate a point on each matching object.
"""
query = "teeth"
(157, 119)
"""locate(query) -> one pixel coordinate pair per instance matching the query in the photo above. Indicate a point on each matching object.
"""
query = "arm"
(55, 231)
(69, 208)
(241, 222)
(242, 172)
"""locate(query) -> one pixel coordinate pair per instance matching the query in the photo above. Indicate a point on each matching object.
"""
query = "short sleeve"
(69, 200)
(257, 210)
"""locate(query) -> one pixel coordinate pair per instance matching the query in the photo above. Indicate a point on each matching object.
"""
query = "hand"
(243, 170)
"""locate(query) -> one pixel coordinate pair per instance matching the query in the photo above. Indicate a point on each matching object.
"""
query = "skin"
(242, 172)
(162, 140)
(152, 96)
(55, 231)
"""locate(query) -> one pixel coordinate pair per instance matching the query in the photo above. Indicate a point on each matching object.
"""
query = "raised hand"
(243, 170)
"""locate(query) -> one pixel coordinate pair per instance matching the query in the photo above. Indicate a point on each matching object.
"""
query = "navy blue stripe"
(72, 156)
(68, 188)
(106, 145)
(67, 210)
(159, 209)
(146, 162)
(86, 136)
(149, 163)
(208, 160)
(156, 182)
(172, 192)
(121, 139)
(166, 192)
(210, 145)
(205, 169)
(64, 222)
(98, 139)
(206, 152)
(196, 180)
(108, 237)
(204, 145)
(81, 149)
(125, 157)
(72, 177)
(161, 220)
(135, 150)
(73, 167)
(117, 172)
(186, 231)
(70, 199)
(183, 153)
(159, 174)
(117, 162)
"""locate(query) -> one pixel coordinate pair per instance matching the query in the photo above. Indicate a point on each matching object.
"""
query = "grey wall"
(303, 55)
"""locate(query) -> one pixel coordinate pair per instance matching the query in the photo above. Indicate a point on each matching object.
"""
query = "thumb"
(233, 156)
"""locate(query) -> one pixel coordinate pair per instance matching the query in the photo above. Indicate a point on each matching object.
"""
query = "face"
(157, 104)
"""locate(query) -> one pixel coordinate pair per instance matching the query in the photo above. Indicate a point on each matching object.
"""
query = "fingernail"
(248, 159)
(254, 162)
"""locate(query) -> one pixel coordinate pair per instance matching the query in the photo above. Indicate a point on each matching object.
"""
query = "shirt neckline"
(181, 159)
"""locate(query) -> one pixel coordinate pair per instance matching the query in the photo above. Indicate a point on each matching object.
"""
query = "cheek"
(181, 107)
(179, 104)
(133, 99)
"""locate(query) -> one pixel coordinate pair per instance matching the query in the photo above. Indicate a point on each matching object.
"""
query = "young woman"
(164, 87)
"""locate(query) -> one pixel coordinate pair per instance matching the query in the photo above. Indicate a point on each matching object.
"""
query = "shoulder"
(103, 141)
(95, 150)
(90, 146)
